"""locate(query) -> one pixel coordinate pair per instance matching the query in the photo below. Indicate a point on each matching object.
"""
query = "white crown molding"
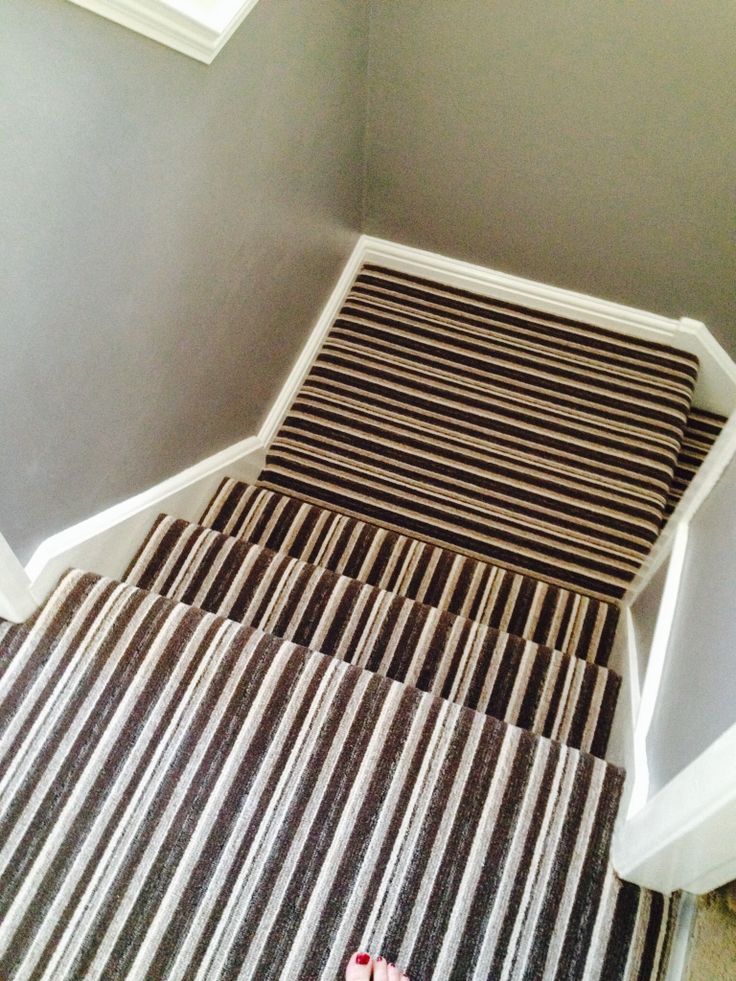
(197, 28)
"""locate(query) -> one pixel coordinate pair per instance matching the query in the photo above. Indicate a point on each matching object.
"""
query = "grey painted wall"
(587, 145)
(170, 232)
(697, 700)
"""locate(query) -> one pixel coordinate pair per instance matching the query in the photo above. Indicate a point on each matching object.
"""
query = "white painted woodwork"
(197, 28)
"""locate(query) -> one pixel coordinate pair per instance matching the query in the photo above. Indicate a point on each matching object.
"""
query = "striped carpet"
(182, 797)
(702, 430)
(518, 681)
(541, 444)
(549, 615)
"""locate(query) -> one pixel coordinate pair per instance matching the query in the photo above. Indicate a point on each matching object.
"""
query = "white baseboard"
(291, 386)
(106, 542)
(716, 388)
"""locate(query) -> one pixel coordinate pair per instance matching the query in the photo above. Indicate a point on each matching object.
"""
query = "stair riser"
(543, 690)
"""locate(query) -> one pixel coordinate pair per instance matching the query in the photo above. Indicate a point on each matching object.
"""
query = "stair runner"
(480, 591)
(518, 681)
(297, 729)
(183, 797)
(538, 443)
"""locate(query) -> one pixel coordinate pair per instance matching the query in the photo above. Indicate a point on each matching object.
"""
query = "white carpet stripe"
(403, 777)
(299, 834)
(405, 846)
(464, 495)
(565, 617)
(281, 796)
(22, 758)
(573, 872)
(645, 492)
(55, 838)
(449, 816)
(231, 597)
(568, 467)
(37, 631)
(227, 774)
(313, 912)
(473, 868)
(54, 709)
(291, 775)
(551, 534)
(145, 793)
(535, 397)
(379, 301)
(541, 866)
(554, 808)
(571, 341)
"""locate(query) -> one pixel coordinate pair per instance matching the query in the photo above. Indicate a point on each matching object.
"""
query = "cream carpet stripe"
(232, 805)
(547, 614)
(435, 651)
(574, 342)
(501, 376)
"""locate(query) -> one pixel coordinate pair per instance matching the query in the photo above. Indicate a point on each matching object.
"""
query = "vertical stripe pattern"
(547, 614)
(535, 687)
(541, 444)
(186, 798)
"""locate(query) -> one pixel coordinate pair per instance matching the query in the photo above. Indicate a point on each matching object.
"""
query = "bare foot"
(363, 967)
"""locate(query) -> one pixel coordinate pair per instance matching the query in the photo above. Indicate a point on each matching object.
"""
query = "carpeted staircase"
(364, 703)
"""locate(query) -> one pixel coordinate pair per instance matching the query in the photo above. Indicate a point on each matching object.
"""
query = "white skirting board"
(106, 542)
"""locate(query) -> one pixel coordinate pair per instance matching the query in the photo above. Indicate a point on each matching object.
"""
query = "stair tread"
(702, 430)
(182, 793)
(518, 681)
(535, 610)
(539, 444)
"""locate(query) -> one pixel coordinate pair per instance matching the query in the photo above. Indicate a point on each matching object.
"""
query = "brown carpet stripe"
(541, 444)
(549, 693)
(703, 429)
(186, 798)
(547, 614)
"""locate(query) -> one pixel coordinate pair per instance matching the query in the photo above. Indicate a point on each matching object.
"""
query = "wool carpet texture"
(544, 445)
(365, 703)
(702, 430)
(480, 591)
(184, 797)
(543, 690)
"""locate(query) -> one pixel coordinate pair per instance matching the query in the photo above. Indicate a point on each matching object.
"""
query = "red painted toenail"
(362, 958)
(379, 959)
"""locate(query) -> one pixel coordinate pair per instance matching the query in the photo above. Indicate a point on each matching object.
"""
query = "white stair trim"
(652, 683)
(716, 387)
(683, 837)
(677, 965)
(106, 542)
(197, 28)
(17, 599)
